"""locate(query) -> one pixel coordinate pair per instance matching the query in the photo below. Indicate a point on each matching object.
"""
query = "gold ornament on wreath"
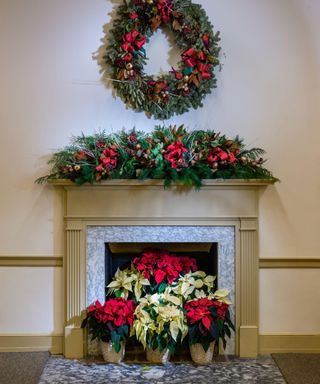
(185, 86)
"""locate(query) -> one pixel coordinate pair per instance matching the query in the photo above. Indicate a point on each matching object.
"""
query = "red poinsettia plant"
(162, 268)
(209, 321)
(110, 321)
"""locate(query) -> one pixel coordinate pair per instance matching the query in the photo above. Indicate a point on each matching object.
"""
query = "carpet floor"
(298, 368)
(235, 371)
(22, 368)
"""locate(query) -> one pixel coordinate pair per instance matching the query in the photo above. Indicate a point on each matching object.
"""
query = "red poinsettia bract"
(118, 311)
(175, 155)
(164, 267)
(198, 311)
(217, 155)
(109, 160)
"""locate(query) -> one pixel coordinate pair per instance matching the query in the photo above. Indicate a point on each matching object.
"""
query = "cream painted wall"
(268, 92)
(31, 301)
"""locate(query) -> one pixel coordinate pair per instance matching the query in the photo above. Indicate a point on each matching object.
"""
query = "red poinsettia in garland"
(108, 161)
(110, 321)
(208, 321)
(175, 155)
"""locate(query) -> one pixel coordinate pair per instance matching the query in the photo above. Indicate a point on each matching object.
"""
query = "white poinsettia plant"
(197, 285)
(128, 283)
(160, 321)
(169, 292)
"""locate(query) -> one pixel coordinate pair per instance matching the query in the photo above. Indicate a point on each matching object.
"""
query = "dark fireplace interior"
(120, 255)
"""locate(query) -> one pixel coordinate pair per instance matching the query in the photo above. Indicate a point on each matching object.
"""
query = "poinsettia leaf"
(118, 293)
(227, 331)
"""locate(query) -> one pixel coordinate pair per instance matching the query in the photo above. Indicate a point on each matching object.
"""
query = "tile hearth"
(262, 370)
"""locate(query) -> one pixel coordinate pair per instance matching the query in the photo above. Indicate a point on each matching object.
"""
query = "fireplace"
(223, 214)
(213, 247)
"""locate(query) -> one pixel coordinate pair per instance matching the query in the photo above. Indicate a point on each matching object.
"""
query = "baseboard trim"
(267, 343)
(31, 343)
(288, 263)
(31, 261)
(289, 344)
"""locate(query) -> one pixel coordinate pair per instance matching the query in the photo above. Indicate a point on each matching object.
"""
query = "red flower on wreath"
(133, 41)
(205, 39)
(165, 9)
(174, 155)
(133, 15)
(198, 60)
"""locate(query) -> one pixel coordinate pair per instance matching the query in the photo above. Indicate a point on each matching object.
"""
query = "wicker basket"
(199, 356)
(155, 356)
(109, 354)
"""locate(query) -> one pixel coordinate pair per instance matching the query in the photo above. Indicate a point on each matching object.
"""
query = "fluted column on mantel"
(73, 347)
(249, 286)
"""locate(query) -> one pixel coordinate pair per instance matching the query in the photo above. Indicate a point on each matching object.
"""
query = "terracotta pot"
(199, 356)
(155, 356)
(109, 354)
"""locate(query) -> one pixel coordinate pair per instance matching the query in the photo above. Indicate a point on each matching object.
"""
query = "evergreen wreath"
(170, 153)
(180, 89)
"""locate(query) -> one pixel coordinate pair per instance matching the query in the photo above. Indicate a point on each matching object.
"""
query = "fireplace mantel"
(141, 203)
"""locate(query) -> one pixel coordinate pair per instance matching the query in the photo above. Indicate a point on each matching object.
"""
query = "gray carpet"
(298, 368)
(22, 368)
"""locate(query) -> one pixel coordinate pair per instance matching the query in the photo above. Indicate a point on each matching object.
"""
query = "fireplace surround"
(130, 206)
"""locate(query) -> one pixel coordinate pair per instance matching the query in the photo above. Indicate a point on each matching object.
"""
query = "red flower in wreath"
(194, 59)
(133, 15)
(165, 9)
(175, 155)
(133, 41)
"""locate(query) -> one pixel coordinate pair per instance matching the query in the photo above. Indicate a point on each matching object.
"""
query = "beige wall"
(268, 93)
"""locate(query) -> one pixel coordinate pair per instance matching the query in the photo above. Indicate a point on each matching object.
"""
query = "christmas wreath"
(182, 88)
(169, 153)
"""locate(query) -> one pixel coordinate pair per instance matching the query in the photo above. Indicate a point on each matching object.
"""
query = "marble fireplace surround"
(221, 208)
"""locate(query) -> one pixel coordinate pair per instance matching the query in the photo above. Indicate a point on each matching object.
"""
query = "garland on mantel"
(169, 153)
(186, 85)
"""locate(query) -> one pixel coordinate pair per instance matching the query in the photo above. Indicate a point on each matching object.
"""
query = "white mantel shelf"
(232, 202)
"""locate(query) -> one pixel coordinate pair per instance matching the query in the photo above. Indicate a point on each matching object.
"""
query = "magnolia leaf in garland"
(173, 93)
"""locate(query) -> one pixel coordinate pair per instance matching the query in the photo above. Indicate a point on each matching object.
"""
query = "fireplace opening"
(120, 255)
(110, 247)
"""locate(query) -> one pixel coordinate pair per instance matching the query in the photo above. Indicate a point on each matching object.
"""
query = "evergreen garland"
(182, 88)
(169, 153)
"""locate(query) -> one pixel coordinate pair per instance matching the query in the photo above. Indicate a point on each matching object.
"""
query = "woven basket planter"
(109, 354)
(199, 356)
(155, 356)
